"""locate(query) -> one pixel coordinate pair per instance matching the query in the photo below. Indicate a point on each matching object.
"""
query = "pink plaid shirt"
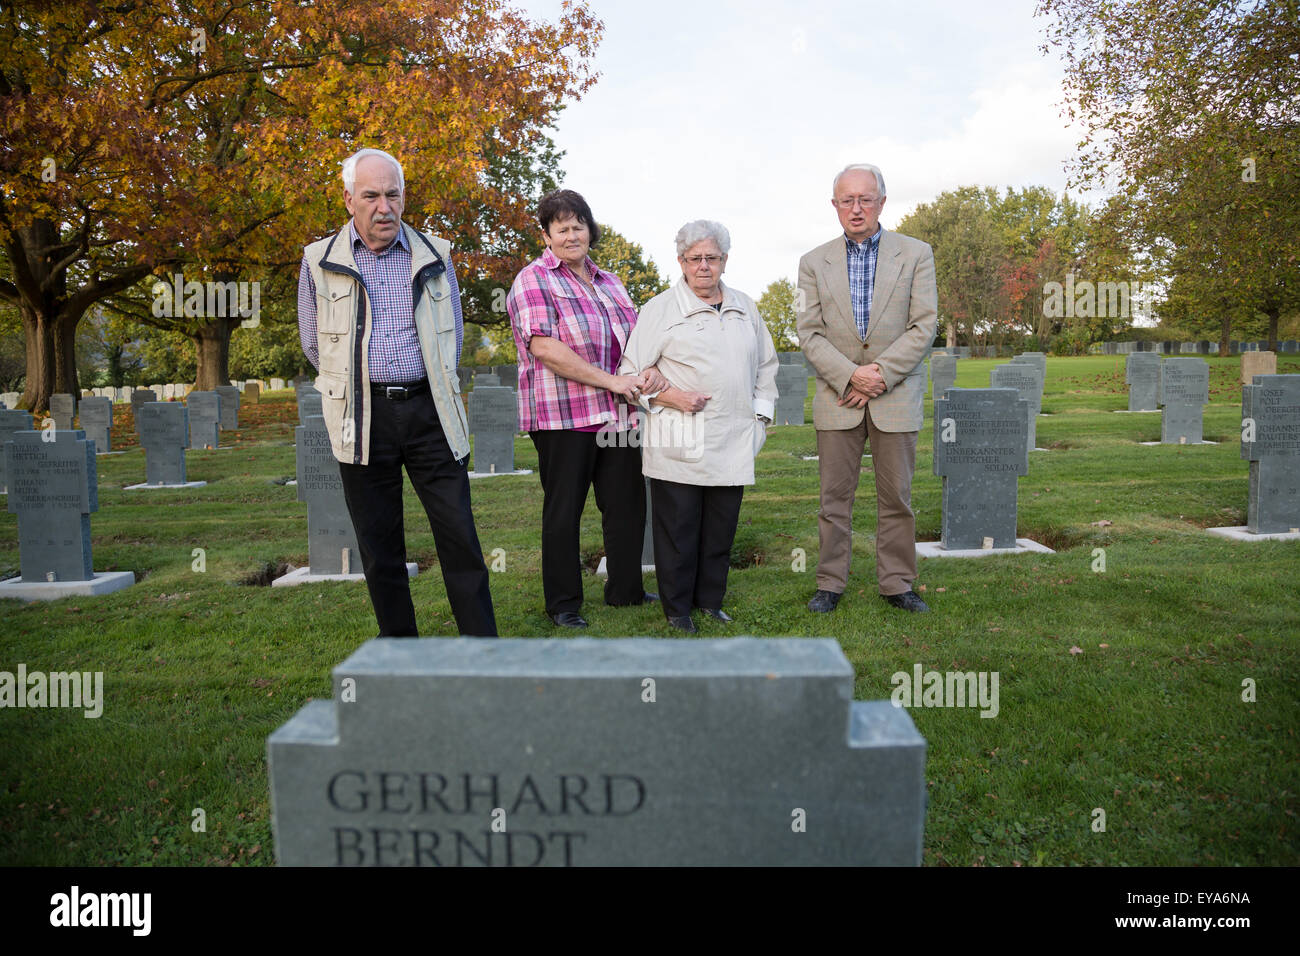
(548, 299)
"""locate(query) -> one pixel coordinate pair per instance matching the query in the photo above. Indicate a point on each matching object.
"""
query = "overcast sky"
(743, 111)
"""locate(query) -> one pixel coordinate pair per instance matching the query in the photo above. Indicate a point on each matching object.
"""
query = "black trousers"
(409, 433)
(694, 527)
(569, 463)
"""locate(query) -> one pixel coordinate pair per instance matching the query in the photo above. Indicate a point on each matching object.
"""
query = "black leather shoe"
(717, 614)
(908, 601)
(823, 602)
(683, 624)
(568, 619)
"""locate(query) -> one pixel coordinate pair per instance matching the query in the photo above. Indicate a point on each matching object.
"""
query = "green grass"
(1146, 723)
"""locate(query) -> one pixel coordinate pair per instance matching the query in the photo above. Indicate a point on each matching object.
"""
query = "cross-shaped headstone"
(205, 419)
(1027, 379)
(1270, 441)
(52, 489)
(11, 420)
(493, 418)
(1184, 391)
(229, 407)
(943, 372)
(980, 448)
(332, 540)
(309, 403)
(63, 406)
(97, 422)
(164, 435)
(791, 391)
(1142, 374)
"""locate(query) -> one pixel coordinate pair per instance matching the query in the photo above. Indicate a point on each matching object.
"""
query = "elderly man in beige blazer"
(867, 318)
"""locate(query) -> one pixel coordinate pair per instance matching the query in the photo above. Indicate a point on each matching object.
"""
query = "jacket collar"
(688, 303)
(340, 250)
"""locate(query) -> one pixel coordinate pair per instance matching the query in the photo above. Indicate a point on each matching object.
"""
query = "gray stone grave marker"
(11, 420)
(507, 375)
(63, 407)
(277, 384)
(205, 419)
(943, 371)
(53, 490)
(425, 743)
(1270, 412)
(1290, 345)
(229, 407)
(1142, 373)
(252, 393)
(981, 446)
(139, 398)
(487, 380)
(164, 435)
(309, 403)
(791, 392)
(493, 420)
(97, 423)
(1027, 379)
(332, 541)
(1184, 391)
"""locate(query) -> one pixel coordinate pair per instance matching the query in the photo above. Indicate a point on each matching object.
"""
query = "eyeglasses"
(866, 202)
(696, 260)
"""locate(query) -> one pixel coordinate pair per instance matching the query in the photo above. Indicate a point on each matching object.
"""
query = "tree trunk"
(1225, 330)
(212, 347)
(1273, 315)
(50, 334)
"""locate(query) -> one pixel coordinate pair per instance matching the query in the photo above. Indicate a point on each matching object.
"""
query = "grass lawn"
(1120, 689)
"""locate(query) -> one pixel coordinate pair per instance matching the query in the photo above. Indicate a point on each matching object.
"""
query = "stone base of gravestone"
(304, 576)
(104, 582)
(602, 571)
(188, 484)
(498, 474)
(597, 752)
(1201, 442)
(1242, 533)
(933, 549)
(1136, 411)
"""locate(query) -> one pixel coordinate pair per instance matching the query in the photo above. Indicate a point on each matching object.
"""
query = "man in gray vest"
(379, 317)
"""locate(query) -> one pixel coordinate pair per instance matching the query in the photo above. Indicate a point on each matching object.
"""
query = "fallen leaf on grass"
(1103, 523)
(1076, 650)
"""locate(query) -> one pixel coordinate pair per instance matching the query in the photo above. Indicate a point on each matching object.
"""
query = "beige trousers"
(893, 459)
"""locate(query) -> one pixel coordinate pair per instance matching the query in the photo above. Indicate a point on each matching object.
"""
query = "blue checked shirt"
(862, 278)
(394, 353)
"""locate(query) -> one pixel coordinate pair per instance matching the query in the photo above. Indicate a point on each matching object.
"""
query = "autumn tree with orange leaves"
(142, 140)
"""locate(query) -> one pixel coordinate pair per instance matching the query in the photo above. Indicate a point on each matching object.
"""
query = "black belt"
(399, 392)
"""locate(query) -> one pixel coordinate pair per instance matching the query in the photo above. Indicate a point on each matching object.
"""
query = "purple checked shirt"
(394, 353)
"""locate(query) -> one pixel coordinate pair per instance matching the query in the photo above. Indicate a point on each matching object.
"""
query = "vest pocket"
(336, 311)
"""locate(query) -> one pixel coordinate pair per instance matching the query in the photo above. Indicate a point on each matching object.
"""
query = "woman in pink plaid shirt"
(571, 322)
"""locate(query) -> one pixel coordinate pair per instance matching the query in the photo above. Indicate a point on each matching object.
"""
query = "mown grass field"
(1120, 690)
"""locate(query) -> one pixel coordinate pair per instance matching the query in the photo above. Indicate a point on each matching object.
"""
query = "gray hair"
(700, 230)
(350, 168)
(860, 167)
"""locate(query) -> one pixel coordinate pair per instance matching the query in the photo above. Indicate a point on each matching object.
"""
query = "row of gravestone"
(1202, 347)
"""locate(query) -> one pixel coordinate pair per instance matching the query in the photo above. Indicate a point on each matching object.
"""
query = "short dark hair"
(563, 203)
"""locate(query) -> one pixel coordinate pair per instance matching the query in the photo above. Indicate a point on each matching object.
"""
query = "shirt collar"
(399, 242)
(871, 242)
(550, 260)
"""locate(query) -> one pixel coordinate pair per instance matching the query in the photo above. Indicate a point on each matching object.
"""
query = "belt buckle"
(400, 391)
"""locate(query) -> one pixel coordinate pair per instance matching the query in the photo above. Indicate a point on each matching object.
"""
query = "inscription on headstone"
(205, 419)
(332, 541)
(1270, 413)
(487, 380)
(493, 419)
(52, 489)
(791, 392)
(438, 740)
(1027, 379)
(229, 407)
(1142, 373)
(97, 422)
(1184, 392)
(981, 446)
(164, 435)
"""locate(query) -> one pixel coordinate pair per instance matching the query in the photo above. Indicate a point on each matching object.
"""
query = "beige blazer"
(904, 319)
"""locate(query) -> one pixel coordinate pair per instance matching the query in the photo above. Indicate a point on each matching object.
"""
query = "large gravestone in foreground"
(1184, 392)
(791, 392)
(164, 435)
(205, 419)
(632, 752)
(1027, 380)
(493, 419)
(97, 422)
(981, 446)
(1142, 374)
(11, 420)
(63, 408)
(53, 490)
(1270, 412)
(943, 372)
(229, 407)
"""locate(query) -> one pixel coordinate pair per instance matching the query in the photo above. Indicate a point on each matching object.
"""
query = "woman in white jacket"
(701, 433)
